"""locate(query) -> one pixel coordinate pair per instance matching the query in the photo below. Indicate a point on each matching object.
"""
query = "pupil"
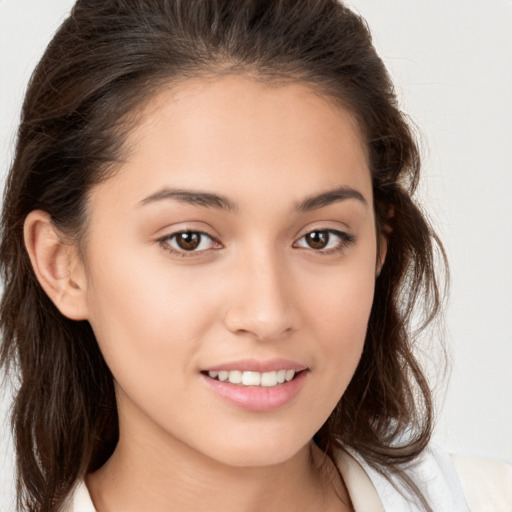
(318, 239)
(188, 241)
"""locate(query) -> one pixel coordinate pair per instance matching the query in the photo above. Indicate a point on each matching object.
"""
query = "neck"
(152, 470)
(139, 476)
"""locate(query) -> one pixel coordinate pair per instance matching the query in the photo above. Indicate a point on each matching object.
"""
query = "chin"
(259, 450)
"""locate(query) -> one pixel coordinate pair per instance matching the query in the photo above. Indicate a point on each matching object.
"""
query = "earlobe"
(56, 265)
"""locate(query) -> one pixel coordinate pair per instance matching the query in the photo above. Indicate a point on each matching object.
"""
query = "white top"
(449, 483)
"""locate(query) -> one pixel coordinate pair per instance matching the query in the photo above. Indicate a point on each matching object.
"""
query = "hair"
(107, 59)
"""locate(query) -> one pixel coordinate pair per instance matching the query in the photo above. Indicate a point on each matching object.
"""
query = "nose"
(262, 302)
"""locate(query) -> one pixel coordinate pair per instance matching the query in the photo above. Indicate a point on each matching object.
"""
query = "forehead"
(245, 137)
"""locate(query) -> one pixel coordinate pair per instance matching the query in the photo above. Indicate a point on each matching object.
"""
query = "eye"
(325, 240)
(188, 241)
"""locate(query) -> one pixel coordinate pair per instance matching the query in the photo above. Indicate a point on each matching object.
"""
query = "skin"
(255, 289)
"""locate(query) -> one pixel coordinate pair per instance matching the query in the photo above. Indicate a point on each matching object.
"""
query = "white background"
(451, 61)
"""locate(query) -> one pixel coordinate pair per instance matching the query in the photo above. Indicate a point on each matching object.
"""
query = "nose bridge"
(261, 303)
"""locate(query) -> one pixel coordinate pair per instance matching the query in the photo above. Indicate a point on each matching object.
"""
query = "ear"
(382, 249)
(382, 246)
(56, 264)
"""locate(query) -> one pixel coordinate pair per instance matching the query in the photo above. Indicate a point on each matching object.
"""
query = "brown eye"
(317, 239)
(188, 241)
(325, 241)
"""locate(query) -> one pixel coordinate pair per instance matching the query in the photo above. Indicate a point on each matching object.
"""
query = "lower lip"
(257, 398)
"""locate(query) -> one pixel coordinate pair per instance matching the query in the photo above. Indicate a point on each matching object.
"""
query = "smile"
(247, 378)
(256, 391)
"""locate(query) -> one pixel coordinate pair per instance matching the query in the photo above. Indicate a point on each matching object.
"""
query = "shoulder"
(487, 483)
(448, 483)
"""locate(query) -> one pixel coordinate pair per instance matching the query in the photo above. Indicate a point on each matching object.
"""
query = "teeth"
(235, 377)
(266, 379)
(251, 378)
(289, 375)
(269, 379)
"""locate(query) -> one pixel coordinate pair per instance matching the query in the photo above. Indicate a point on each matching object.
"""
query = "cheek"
(139, 314)
(340, 317)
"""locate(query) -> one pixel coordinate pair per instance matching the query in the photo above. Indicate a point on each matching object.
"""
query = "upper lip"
(255, 365)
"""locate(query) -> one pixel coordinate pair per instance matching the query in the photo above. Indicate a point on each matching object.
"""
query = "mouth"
(257, 386)
(254, 379)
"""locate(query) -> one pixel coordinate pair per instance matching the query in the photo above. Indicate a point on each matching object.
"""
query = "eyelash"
(345, 241)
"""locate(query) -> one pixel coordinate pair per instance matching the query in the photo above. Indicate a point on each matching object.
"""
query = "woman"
(211, 256)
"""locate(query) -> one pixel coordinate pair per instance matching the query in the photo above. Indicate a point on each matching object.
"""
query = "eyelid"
(345, 240)
(163, 242)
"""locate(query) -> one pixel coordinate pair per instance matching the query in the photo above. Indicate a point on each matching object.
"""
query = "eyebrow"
(211, 200)
(196, 198)
(329, 197)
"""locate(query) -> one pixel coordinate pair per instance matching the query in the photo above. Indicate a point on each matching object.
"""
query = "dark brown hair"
(105, 61)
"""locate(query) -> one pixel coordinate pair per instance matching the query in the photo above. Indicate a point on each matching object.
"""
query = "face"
(235, 248)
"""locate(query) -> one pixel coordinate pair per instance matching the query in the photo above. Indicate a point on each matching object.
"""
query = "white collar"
(360, 488)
